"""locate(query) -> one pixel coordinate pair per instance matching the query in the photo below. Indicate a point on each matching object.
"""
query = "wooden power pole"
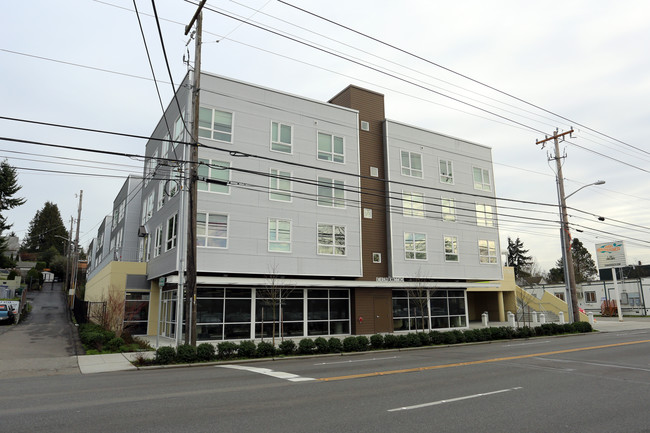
(190, 296)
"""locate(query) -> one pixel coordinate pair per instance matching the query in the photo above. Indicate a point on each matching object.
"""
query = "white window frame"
(330, 155)
(276, 143)
(158, 241)
(448, 209)
(487, 252)
(211, 131)
(453, 251)
(179, 131)
(484, 184)
(149, 205)
(206, 236)
(171, 238)
(484, 215)
(335, 189)
(119, 238)
(411, 251)
(590, 294)
(210, 165)
(161, 194)
(332, 246)
(275, 243)
(410, 200)
(280, 185)
(409, 170)
(448, 177)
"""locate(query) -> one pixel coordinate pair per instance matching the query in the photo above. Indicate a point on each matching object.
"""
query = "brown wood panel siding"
(370, 106)
(368, 304)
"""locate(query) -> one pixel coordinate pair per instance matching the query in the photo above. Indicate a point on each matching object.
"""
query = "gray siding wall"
(247, 203)
(464, 156)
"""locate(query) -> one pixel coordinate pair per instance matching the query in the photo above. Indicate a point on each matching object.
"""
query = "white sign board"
(610, 255)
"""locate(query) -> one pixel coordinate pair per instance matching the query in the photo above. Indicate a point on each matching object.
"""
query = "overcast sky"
(586, 61)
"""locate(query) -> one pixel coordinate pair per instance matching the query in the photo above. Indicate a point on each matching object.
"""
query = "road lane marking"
(268, 372)
(451, 400)
(481, 361)
(596, 364)
(527, 344)
(356, 360)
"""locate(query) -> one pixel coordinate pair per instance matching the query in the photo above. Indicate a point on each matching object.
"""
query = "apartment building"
(323, 217)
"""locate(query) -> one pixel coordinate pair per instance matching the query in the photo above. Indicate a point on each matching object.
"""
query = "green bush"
(484, 334)
(390, 341)
(582, 327)
(306, 346)
(424, 338)
(287, 347)
(247, 349)
(93, 352)
(525, 332)
(265, 350)
(321, 345)
(186, 353)
(460, 337)
(448, 338)
(94, 340)
(363, 343)
(470, 335)
(435, 337)
(412, 340)
(402, 341)
(205, 352)
(377, 341)
(165, 355)
(226, 350)
(114, 344)
(350, 344)
(335, 345)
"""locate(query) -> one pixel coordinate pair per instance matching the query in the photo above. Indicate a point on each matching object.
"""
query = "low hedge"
(249, 349)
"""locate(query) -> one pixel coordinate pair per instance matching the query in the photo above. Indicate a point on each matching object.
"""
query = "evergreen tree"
(46, 230)
(584, 267)
(8, 188)
(517, 257)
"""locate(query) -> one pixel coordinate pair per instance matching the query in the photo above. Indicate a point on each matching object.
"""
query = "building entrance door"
(383, 311)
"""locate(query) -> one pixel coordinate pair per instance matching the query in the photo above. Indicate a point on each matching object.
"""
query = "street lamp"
(567, 257)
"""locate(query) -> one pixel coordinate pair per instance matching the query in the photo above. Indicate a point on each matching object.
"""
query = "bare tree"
(112, 317)
(418, 299)
(272, 296)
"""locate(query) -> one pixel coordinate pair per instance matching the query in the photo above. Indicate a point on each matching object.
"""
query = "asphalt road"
(585, 383)
(42, 343)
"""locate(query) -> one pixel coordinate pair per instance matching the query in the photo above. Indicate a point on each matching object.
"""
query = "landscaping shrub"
(265, 350)
(205, 352)
(568, 328)
(186, 353)
(435, 337)
(321, 345)
(582, 326)
(246, 349)
(448, 338)
(412, 340)
(114, 344)
(165, 355)
(94, 340)
(525, 332)
(470, 335)
(226, 350)
(484, 334)
(390, 341)
(460, 337)
(350, 344)
(402, 341)
(377, 341)
(335, 345)
(362, 343)
(424, 338)
(306, 346)
(287, 347)
(497, 333)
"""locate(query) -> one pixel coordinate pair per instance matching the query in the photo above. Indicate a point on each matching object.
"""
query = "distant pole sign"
(611, 255)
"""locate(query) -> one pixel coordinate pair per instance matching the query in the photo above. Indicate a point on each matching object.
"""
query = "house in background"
(367, 225)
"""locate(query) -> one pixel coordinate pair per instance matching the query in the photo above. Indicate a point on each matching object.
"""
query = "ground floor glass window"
(424, 309)
(136, 313)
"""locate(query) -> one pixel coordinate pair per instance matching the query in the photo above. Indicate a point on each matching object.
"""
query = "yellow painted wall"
(154, 303)
(112, 277)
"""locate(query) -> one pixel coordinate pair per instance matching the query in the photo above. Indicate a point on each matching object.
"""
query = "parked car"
(7, 313)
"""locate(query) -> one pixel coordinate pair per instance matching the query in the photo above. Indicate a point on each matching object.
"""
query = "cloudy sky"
(583, 64)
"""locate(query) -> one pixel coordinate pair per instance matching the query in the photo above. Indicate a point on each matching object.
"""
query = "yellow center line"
(482, 361)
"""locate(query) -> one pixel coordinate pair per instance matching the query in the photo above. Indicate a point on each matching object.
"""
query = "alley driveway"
(42, 343)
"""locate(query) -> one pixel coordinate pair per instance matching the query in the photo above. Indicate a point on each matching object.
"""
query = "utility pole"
(75, 262)
(190, 298)
(565, 236)
(66, 287)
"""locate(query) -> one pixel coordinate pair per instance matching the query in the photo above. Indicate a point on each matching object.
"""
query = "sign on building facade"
(610, 255)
